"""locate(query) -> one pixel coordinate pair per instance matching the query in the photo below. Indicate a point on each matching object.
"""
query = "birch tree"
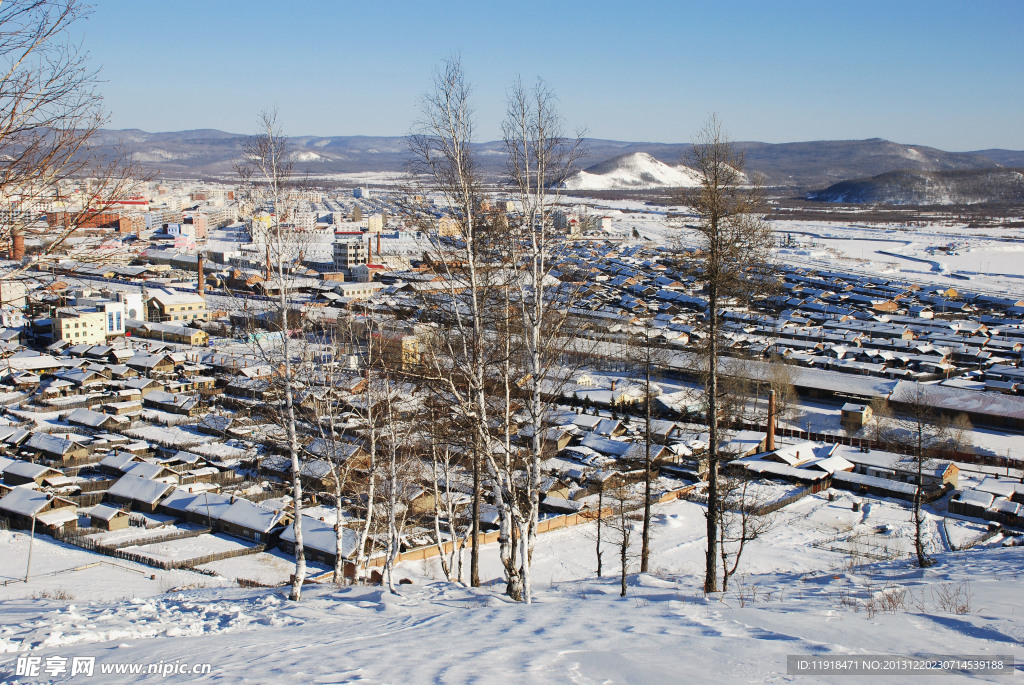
(461, 357)
(539, 159)
(265, 172)
(446, 472)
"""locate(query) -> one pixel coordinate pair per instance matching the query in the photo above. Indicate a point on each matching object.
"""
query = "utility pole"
(31, 539)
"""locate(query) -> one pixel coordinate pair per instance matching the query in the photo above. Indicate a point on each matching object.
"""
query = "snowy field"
(186, 549)
(816, 585)
(983, 259)
(272, 567)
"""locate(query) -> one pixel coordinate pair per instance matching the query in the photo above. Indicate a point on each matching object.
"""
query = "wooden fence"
(780, 503)
(543, 526)
(171, 564)
(80, 540)
(87, 499)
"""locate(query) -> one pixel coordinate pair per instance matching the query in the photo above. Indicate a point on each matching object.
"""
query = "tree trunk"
(293, 441)
(922, 559)
(474, 553)
(645, 542)
(600, 516)
(711, 560)
(623, 558)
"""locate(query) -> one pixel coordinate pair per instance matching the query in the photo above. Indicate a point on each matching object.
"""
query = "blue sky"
(945, 74)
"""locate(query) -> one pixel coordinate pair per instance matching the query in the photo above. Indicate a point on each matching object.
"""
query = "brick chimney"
(378, 244)
(17, 246)
(769, 444)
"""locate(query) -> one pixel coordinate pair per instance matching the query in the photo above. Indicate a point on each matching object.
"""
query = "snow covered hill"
(631, 171)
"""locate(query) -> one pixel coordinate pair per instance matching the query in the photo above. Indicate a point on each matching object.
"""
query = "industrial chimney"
(201, 284)
(769, 443)
(17, 246)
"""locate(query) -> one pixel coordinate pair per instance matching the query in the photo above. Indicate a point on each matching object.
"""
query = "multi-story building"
(198, 221)
(12, 317)
(133, 305)
(79, 326)
(447, 227)
(131, 222)
(349, 253)
(375, 223)
(164, 306)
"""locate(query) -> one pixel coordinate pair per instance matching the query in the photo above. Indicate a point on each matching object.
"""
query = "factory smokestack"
(201, 285)
(17, 246)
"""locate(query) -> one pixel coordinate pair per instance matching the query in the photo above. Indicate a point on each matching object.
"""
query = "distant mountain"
(1007, 158)
(634, 170)
(806, 165)
(818, 163)
(960, 186)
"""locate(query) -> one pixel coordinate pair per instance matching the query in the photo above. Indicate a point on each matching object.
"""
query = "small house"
(141, 494)
(854, 416)
(107, 517)
(25, 508)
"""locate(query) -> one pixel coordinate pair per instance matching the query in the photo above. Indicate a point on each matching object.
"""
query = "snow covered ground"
(813, 586)
(60, 569)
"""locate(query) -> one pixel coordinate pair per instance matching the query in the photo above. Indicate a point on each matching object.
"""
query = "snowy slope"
(800, 597)
(631, 171)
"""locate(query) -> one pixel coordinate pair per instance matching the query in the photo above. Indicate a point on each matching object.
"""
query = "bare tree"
(959, 433)
(440, 149)
(327, 375)
(913, 425)
(50, 111)
(265, 172)
(396, 407)
(368, 410)
(780, 379)
(741, 521)
(644, 353)
(50, 104)
(624, 501)
(446, 471)
(539, 159)
(734, 243)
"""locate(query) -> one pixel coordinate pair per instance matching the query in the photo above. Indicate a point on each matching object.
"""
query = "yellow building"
(447, 227)
(81, 327)
(178, 306)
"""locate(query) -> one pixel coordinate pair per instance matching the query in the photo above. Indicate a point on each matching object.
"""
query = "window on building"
(110, 321)
(118, 320)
